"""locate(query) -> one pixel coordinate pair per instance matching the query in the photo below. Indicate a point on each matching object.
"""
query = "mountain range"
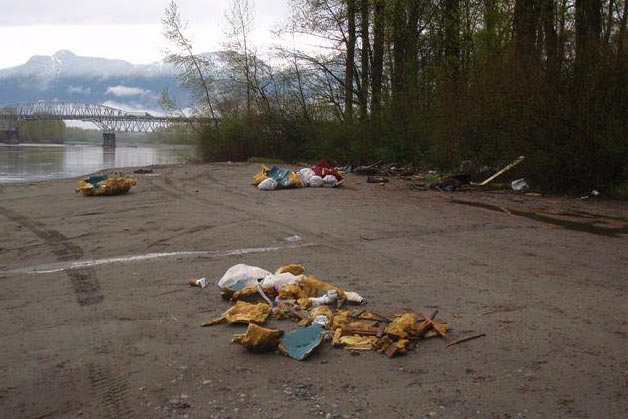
(67, 77)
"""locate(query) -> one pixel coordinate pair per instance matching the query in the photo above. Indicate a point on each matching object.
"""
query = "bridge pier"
(9, 136)
(109, 139)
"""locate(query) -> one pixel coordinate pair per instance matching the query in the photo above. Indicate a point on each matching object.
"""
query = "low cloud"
(79, 90)
(126, 91)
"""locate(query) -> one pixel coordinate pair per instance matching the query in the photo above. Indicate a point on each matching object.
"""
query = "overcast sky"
(124, 29)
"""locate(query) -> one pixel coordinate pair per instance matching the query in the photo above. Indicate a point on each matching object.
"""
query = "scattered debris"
(258, 338)
(300, 343)
(105, 185)
(449, 184)
(293, 238)
(243, 312)
(377, 179)
(143, 171)
(501, 172)
(318, 308)
(594, 192)
(519, 185)
(465, 339)
(202, 282)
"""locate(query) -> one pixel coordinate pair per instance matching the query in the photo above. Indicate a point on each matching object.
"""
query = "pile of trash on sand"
(321, 312)
(105, 185)
(321, 174)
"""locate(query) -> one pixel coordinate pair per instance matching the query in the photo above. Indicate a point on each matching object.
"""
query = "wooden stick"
(504, 170)
(383, 318)
(455, 342)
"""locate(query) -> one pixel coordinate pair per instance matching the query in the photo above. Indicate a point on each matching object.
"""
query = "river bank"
(121, 338)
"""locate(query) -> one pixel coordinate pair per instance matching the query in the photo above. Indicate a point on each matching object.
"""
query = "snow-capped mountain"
(65, 76)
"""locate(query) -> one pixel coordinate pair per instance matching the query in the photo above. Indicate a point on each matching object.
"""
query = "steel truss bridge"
(109, 120)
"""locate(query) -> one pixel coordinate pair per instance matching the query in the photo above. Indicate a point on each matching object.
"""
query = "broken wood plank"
(501, 172)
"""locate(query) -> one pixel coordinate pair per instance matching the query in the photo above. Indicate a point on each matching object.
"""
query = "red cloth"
(323, 168)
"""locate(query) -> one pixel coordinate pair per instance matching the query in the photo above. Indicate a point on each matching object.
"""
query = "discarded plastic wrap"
(242, 274)
(330, 181)
(105, 185)
(519, 185)
(285, 178)
(300, 343)
(306, 174)
(316, 181)
(243, 312)
(267, 184)
(258, 338)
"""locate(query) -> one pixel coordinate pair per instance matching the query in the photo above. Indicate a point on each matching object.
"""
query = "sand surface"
(98, 320)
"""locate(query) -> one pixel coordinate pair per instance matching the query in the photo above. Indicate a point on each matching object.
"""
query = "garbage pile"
(467, 178)
(105, 185)
(321, 311)
(321, 174)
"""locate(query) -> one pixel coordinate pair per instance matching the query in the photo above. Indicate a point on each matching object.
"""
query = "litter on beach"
(105, 185)
(321, 174)
(322, 312)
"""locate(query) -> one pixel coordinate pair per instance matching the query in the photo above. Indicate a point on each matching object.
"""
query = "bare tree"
(240, 18)
(193, 69)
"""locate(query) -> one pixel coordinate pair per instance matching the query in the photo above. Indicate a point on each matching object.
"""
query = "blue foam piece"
(300, 343)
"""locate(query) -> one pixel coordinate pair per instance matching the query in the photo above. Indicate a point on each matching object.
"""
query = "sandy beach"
(98, 319)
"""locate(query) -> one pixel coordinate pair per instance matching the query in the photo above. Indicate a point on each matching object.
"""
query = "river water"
(31, 162)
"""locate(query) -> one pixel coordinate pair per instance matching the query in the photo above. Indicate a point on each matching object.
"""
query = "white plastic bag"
(316, 181)
(242, 272)
(306, 174)
(268, 184)
(330, 181)
(519, 185)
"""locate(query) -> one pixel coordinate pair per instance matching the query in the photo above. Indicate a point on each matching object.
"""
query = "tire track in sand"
(109, 386)
(84, 282)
